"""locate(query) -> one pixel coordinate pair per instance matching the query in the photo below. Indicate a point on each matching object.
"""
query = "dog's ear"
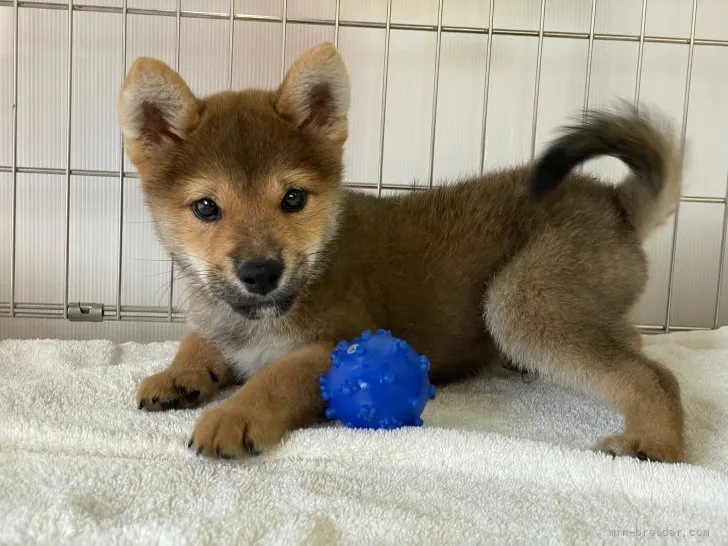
(156, 111)
(315, 94)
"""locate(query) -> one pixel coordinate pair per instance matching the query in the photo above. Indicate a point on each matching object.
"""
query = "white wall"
(95, 201)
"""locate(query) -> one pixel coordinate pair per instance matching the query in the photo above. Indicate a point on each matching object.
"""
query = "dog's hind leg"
(559, 308)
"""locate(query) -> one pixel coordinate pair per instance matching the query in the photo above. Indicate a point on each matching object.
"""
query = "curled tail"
(650, 193)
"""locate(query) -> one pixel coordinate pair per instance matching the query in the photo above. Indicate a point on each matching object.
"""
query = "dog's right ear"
(156, 111)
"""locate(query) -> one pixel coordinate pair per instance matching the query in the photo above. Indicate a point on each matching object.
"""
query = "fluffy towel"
(498, 461)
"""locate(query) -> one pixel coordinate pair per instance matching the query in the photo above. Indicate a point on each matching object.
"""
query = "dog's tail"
(650, 193)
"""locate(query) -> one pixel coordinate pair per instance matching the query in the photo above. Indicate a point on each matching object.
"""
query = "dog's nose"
(260, 276)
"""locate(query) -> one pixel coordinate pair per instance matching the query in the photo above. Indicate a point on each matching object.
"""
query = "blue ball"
(376, 381)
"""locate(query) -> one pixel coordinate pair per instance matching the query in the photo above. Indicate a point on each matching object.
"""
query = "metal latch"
(86, 312)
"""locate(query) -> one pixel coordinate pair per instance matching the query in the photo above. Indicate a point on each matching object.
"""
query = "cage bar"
(159, 314)
(537, 83)
(435, 90)
(337, 21)
(589, 56)
(375, 24)
(284, 21)
(14, 167)
(118, 311)
(640, 55)
(69, 90)
(177, 48)
(353, 185)
(683, 132)
(383, 113)
(721, 267)
(486, 87)
(120, 258)
(231, 43)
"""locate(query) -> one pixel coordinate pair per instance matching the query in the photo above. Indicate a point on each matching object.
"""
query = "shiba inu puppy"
(534, 265)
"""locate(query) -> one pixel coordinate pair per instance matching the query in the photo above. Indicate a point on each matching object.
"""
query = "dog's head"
(244, 187)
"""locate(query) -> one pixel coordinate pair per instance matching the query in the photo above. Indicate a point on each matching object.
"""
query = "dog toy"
(376, 381)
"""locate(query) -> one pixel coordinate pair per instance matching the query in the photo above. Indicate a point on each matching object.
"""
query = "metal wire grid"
(144, 313)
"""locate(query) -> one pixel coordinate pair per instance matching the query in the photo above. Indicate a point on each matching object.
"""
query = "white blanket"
(498, 461)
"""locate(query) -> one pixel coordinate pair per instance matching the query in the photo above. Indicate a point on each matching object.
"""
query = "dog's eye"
(293, 201)
(206, 210)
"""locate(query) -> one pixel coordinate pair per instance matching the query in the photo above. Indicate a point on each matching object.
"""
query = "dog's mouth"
(272, 307)
(256, 307)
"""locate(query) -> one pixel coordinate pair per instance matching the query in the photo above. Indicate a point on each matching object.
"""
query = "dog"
(538, 266)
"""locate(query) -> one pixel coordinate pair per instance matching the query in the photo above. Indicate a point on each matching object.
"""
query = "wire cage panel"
(710, 20)
(259, 8)
(458, 13)
(206, 69)
(42, 83)
(619, 17)
(6, 86)
(705, 172)
(95, 137)
(698, 241)
(93, 222)
(146, 268)
(409, 112)
(300, 37)
(256, 58)
(562, 85)
(441, 89)
(211, 6)
(39, 245)
(462, 80)
(364, 48)
(368, 12)
(510, 105)
(652, 306)
(6, 240)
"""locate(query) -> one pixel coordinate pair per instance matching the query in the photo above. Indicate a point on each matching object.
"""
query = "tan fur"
(279, 398)
(471, 274)
(322, 71)
(154, 85)
(196, 374)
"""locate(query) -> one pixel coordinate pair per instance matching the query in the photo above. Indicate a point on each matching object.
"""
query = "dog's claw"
(252, 451)
(170, 404)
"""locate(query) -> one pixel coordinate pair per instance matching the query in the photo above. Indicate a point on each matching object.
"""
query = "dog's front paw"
(181, 389)
(641, 448)
(236, 430)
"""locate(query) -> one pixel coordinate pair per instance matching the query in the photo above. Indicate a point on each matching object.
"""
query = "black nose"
(260, 276)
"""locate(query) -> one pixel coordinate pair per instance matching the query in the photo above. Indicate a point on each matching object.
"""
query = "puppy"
(535, 265)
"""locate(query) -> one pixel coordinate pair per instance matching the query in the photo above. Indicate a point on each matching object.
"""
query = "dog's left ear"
(315, 94)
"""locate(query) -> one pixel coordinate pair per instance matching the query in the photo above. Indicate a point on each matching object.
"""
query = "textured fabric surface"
(498, 461)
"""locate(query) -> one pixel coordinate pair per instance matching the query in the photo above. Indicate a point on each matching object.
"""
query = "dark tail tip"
(549, 171)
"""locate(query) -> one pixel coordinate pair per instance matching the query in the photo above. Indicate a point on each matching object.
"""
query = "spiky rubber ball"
(376, 381)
